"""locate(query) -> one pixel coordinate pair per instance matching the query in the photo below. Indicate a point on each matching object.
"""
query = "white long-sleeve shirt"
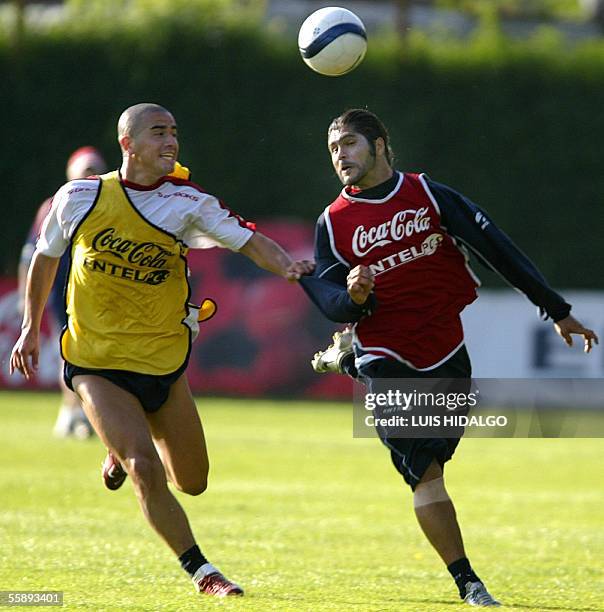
(182, 209)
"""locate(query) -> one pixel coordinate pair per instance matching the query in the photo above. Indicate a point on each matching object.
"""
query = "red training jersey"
(422, 277)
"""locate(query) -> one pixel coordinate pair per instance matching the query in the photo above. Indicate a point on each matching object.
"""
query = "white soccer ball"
(332, 41)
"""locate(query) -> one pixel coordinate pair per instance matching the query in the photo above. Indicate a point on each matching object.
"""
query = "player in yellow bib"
(129, 329)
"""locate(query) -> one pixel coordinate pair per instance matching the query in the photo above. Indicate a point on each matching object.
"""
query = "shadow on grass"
(400, 601)
(393, 603)
(546, 608)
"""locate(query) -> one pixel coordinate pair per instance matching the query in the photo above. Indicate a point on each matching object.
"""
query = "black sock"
(462, 573)
(191, 560)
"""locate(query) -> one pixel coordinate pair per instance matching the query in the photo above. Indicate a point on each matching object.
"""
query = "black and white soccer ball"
(332, 41)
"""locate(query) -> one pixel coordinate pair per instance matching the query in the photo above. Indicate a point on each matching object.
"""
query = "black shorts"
(151, 391)
(412, 456)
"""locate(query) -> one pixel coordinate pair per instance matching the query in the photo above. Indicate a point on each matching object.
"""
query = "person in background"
(71, 420)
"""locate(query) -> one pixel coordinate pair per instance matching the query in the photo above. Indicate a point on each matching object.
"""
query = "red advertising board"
(259, 343)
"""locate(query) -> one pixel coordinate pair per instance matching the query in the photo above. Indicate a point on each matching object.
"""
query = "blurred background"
(501, 99)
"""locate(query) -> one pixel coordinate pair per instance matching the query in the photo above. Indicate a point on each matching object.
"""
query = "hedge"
(517, 126)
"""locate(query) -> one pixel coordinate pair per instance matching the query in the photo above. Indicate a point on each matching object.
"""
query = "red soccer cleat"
(210, 581)
(113, 473)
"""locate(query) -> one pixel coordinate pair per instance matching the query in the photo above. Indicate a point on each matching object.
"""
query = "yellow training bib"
(126, 291)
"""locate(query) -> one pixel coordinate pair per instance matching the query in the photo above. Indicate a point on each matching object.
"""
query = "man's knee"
(194, 486)
(430, 492)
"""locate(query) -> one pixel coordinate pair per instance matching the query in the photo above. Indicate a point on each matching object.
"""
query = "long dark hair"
(366, 123)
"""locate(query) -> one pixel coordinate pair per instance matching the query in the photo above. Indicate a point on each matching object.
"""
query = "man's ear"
(125, 143)
(380, 146)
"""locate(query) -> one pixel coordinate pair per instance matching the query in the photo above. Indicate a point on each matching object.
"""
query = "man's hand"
(41, 275)
(25, 354)
(359, 284)
(570, 325)
(299, 268)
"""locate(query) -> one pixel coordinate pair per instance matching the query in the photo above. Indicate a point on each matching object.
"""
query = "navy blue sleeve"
(327, 285)
(327, 265)
(470, 225)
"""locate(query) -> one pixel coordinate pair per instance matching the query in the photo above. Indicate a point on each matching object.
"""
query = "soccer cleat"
(330, 360)
(113, 473)
(209, 580)
(477, 595)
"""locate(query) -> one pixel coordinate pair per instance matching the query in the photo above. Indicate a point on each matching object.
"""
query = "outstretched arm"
(40, 278)
(267, 254)
(469, 224)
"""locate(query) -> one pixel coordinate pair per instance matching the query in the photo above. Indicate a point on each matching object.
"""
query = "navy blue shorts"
(412, 456)
(151, 391)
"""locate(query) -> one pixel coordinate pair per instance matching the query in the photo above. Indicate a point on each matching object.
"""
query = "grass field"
(301, 514)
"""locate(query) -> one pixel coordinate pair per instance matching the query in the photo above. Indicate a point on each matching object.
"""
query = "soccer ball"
(332, 41)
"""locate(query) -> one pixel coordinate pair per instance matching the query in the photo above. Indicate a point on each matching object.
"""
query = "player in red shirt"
(391, 258)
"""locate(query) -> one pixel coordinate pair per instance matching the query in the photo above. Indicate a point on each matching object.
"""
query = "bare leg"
(120, 423)
(179, 439)
(439, 522)
(436, 516)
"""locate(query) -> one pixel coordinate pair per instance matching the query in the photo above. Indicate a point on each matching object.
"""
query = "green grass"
(303, 515)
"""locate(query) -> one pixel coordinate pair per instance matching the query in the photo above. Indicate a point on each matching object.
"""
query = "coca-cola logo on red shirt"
(404, 223)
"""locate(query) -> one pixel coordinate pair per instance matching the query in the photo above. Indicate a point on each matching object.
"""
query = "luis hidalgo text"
(415, 420)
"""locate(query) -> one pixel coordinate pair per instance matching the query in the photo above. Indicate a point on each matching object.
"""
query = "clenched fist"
(360, 283)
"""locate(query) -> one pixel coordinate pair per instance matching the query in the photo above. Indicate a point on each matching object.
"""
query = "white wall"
(506, 338)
